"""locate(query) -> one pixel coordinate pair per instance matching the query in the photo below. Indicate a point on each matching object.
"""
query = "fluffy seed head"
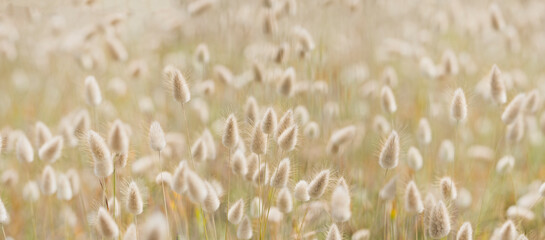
(522, 237)
(253, 167)
(64, 190)
(118, 138)
(515, 130)
(449, 63)
(259, 140)
(198, 150)
(223, 74)
(414, 159)
(251, 110)
(505, 164)
(209, 144)
(388, 100)
(312, 130)
(520, 213)
(180, 89)
(362, 234)
(236, 212)
(51, 150)
(134, 202)
(458, 106)
(340, 204)
(101, 155)
(413, 201)
(106, 225)
(288, 139)
(317, 186)
(4, 216)
(155, 227)
(339, 138)
(130, 233)
(179, 183)
(448, 188)
(496, 17)
(269, 122)
(513, 109)
(388, 192)
(389, 156)
(497, 86)
(508, 231)
(238, 164)
(255, 207)
(531, 103)
(281, 175)
(195, 187)
(211, 203)
(446, 151)
(262, 176)
(164, 178)
(284, 201)
(31, 191)
(258, 72)
(284, 123)
(24, 150)
(301, 191)
(424, 132)
(74, 179)
(202, 54)
(304, 38)
(92, 92)
(465, 232)
(48, 181)
(542, 190)
(42, 134)
(439, 221)
(333, 233)
(156, 137)
(287, 83)
(230, 136)
(244, 230)
(81, 123)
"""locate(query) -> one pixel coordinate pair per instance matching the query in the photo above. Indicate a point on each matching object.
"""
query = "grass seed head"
(318, 185)
(259, 140)
(458, 106)
(439, 221)
(513, 109)
(288, 139)
(104, 166)
(389, 156)
(281, 175)
(24, 150)
(333, 233)
(106, 225)
(284, 201)
(230, 136)
(51, 150)
(236, 212)
(301, 191)
(211, 203)
(497, 86)
(413, 201)
(465, 232)
(118, 139)
(48, 181)
(244, 229)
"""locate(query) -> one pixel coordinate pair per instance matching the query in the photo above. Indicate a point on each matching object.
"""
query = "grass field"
(272, 119)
